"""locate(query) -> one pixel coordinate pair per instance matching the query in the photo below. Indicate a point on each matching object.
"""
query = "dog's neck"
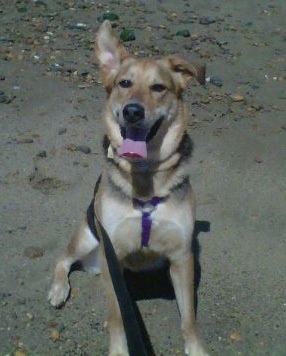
(144, 174)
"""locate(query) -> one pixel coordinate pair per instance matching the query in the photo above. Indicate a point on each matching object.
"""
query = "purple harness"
(147, 208)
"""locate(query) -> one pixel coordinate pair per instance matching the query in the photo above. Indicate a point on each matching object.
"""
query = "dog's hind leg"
(182, 274)
(80, 247)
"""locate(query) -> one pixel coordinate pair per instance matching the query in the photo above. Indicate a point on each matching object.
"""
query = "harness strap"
(147, 208)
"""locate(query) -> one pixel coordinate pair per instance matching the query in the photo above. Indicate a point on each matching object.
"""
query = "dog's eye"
(158, 87)
(125, 83)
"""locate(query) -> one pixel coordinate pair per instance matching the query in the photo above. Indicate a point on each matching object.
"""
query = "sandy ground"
(50, 114)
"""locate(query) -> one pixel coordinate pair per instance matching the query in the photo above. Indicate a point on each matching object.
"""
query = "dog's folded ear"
(109, 52)
(185, 69)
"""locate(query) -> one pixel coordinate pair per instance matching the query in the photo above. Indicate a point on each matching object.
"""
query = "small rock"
(205, 100)
(25, 140)
(127, 35)
(221, 43)
(2, 77)
(84, 73)
(30, 316)
(56, 68)
(71, 147)
(74, 292)
(62, 130)
(81, 25)
(21, 352)
(41, 3)
(217, 81)
(22, 10)
(42, 154)
(206, 21)
(258, 160)
(183, 33)
(3, 98)
(33, 252)
(257, 107)
(237, 98)
(235, 336)
(83, 148)
(55, 335)
(110, 16)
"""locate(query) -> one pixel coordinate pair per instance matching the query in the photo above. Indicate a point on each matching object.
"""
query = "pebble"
(127, 35)
(84, 73)
(55, 68)
(33, 252)
(237, 98)
(62, 130)
(183, 33)
(3, 97)
(217, 81)
(55, 335)
(235, 336)
(110, 16)
(81, 25)
(22, 10)
(42, 154)
(256, 107)
(20, 352)
(30, 316)
(206, 21)
(83, 148)
(258, 160)
(25, 140)
(205, 100)
(71, 147)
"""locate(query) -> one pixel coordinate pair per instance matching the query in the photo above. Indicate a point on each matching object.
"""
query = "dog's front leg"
(82, 245)
(182, 274)
(117, 338)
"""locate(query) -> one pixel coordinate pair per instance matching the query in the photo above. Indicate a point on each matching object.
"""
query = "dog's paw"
(195, 349)
(119, 353)
(59, 293)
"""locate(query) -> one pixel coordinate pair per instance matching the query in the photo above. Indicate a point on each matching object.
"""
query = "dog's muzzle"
(135, 133)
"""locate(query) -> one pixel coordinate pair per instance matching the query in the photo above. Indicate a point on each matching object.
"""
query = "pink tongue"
(133, 149)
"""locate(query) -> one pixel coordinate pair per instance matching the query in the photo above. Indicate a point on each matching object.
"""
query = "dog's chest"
(170, 225)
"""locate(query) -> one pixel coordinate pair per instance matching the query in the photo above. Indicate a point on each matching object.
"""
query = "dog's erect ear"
(109, 52)
(185, 70)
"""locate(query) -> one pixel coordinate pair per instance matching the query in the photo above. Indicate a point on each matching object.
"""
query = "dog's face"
(145, 116)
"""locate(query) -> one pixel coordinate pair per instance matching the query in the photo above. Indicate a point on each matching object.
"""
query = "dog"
(145, 200)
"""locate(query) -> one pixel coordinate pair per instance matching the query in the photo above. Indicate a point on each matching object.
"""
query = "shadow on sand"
(156, 283)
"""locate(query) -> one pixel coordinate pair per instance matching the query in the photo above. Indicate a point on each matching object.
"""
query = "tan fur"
(123, 180)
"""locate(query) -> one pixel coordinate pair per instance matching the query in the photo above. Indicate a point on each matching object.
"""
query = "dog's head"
(145, 117)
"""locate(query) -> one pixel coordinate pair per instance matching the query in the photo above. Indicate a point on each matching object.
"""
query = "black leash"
(138, 340)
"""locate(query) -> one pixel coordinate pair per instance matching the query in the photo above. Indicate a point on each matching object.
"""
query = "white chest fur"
(171, 230)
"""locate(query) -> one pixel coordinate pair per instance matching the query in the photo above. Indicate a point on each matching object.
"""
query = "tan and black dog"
(145, 200)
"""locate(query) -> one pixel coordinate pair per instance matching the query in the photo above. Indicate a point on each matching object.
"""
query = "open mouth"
(135, 140)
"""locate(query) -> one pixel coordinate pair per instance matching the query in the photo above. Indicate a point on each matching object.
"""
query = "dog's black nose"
(133, 113)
